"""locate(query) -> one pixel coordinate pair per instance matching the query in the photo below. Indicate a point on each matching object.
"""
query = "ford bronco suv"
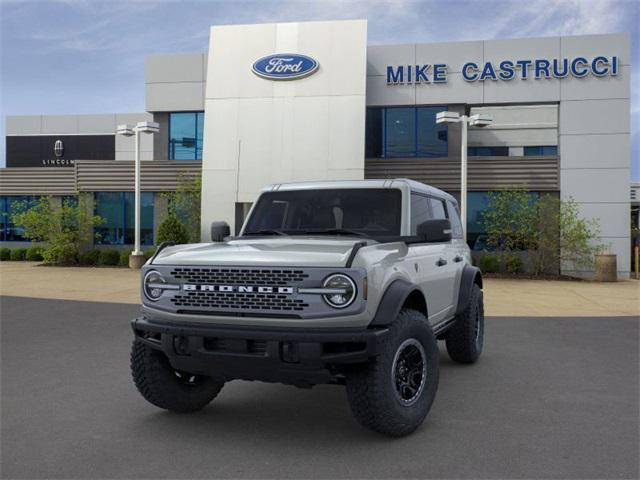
(342, 282)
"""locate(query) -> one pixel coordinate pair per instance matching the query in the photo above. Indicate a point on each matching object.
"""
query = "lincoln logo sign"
(285, 66)
(237, 289)
(505, 70)
(58, 148)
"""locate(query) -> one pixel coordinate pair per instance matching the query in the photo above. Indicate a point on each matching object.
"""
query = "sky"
(87, 56)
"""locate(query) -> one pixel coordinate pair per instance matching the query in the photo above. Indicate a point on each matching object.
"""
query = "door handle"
(458, 258)
(441, 262)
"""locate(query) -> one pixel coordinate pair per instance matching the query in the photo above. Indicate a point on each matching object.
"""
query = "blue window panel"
(374, 138)
(10, 232)
(397, 132)
(400, 140)
(146, 218)
(108, 206)
(488, 151)
(431, 137)
(117, 209)
(550, 151)
(541, 151)
(185, 135)
(199, 134)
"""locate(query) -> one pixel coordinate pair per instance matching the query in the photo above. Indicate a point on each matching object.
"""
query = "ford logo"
(285, 66)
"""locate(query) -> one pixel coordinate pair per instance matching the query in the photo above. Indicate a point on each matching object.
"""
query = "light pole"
(136, 258)
(477, 120)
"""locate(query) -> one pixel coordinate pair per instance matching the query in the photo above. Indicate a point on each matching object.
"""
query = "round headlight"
(343, 291)
(152, 280)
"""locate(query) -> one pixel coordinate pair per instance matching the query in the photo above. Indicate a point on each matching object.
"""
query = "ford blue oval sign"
(285, 66)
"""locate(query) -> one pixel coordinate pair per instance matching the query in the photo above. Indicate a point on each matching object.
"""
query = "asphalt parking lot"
(550, 398)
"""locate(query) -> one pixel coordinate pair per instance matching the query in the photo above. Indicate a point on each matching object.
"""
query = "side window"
(437, 207)
(420, 211)
(454, 216)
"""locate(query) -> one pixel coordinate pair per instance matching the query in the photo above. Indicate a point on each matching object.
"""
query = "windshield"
(371, 212)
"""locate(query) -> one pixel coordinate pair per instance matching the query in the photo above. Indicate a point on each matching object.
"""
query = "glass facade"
(117, 209)
(9, 232)
(541, 151)
(185, 135)
(405, 132)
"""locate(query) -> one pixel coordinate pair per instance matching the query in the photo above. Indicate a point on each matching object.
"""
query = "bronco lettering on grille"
(237, 289)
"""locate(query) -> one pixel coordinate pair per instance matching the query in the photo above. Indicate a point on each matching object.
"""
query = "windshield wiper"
(266, 231)
(336, 231)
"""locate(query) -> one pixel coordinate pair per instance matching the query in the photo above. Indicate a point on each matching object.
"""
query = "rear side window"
(454, 217)
(438, 209)
(420, 211)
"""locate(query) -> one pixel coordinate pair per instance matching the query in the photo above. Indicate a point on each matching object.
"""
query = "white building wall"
(260, 131)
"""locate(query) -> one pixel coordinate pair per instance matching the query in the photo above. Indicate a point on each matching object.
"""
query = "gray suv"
(349, 283)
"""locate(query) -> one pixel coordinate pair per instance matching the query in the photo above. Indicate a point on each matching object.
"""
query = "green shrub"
(171, 230)
(5, 254)
(18, 254)
(63, 227)
(109, 257)
(61, 254)
(124, 258)
(489, 263)
(149, 253)
(513, 263)
(90, 257)
(34, 254)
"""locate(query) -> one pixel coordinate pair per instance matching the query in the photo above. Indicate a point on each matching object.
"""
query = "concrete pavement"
(503, 297)
(550, 398)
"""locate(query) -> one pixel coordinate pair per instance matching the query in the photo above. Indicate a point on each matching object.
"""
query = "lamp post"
(477, 120)
(136, 258)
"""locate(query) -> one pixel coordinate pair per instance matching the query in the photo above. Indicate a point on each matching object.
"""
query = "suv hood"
(281, 251)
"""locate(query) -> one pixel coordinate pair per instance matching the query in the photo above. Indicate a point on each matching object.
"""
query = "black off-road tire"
(465, 338)
(372, 391)
(163, 386)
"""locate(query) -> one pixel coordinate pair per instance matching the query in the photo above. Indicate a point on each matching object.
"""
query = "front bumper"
(303, 358)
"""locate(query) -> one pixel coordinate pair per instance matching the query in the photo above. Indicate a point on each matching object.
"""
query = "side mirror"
(437, 230)
(219, 230)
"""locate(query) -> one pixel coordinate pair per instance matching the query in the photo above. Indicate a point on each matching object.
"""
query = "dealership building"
(273, 103)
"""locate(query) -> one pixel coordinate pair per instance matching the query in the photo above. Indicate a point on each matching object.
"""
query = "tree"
(509, 219)
(184, 203)
(551, 229)
(171, 230)
(63, 227)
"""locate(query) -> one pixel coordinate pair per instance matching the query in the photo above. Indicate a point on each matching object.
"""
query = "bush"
(5, 254)
(489, 263)
(109, 257)
(18, 254)
(124, 258)
(90, 257)
(171, 230)
(34, 254)
(513, 263)
(149, 253)
(61, 254)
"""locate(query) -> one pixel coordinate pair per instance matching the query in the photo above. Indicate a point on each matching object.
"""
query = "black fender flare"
(392, 301)
(470, 275)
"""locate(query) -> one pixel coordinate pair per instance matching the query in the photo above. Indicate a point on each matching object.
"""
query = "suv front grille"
(238, 301)
(237, 276)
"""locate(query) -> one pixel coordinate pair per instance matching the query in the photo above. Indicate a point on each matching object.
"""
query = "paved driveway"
(552, 398)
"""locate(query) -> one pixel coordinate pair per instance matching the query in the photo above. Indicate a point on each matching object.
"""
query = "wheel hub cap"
(409, 371)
